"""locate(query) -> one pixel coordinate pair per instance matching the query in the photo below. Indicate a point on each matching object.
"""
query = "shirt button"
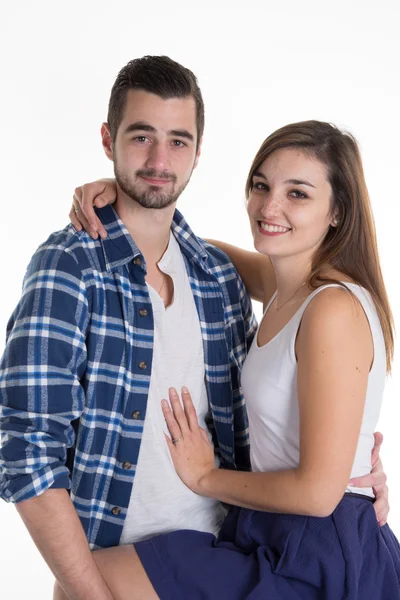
(143, 312)
(136, 414)
(137, 261)
(126, 466)
(142, 365)
(116, 511)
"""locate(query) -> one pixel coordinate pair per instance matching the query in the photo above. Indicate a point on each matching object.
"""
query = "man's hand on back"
(377, 480)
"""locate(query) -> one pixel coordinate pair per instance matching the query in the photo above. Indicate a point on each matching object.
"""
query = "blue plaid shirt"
(75, 375)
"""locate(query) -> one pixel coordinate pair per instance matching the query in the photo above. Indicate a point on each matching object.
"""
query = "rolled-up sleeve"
(40, 372)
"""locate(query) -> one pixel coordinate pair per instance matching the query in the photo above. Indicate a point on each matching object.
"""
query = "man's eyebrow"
(139, 126)
(182, 133)
(142, 126)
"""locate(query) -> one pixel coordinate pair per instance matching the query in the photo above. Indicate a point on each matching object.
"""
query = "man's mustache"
(153, 174)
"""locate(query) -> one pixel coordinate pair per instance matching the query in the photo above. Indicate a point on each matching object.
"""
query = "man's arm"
(53, 523)
(40, 396)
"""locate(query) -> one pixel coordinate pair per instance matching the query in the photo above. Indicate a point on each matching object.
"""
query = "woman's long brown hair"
(351, 247)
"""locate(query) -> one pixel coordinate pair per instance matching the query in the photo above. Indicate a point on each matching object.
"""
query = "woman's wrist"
(205, 484)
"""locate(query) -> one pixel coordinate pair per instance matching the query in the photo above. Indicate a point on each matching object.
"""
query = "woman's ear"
(334, 221)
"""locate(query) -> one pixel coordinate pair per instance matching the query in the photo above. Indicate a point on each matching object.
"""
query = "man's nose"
(158, 157)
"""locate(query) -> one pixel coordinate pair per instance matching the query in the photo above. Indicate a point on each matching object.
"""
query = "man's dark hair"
(158, 75)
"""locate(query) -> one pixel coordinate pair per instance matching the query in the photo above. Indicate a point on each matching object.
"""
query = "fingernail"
(185, 390)
(173, 391)
(94, 234)
(103, 234)
(164, 403)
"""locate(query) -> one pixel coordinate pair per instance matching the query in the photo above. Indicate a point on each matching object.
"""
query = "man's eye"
(140, 138)
(178, 143)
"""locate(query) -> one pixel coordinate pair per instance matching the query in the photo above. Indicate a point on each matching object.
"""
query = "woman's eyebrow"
(299, 182)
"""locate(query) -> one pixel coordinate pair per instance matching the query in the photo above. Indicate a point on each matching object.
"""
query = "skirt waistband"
(360, 496)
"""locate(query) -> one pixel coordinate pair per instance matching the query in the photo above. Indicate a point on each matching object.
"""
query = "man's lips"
(152, 181)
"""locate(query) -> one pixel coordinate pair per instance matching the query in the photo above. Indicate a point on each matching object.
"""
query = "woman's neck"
(291, 273)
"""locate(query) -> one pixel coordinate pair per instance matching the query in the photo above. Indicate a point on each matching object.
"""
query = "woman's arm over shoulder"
(255, 269)
(335, 351)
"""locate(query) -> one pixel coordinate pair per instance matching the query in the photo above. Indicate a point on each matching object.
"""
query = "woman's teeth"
(273, 228)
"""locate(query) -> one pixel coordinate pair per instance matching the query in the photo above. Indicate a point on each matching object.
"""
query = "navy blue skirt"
(266, 556)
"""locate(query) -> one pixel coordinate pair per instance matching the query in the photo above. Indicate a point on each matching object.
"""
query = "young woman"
(313, 382)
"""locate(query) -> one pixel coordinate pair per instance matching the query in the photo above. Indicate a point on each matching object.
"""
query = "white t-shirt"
(160, 502)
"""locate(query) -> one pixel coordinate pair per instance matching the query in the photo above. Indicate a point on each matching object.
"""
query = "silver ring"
(77, 209)
(176, 440)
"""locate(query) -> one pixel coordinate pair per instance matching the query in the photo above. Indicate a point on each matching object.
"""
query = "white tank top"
(160, 502)
(269, 381)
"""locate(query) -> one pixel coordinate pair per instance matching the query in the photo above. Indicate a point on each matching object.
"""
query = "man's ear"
(106, 140)
(196, 160)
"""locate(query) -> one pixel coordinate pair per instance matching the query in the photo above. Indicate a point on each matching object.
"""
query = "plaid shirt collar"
(120, 249)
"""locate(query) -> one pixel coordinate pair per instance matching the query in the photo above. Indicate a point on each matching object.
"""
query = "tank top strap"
(307, 301)
(288, 334)
(297, 317)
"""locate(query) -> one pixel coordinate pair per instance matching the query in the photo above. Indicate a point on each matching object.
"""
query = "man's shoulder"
(215, 260)
(67, 250)
(218, 260)
(64, 240)
(221, 266)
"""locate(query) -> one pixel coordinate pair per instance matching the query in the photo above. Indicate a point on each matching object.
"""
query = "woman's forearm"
(288, 491)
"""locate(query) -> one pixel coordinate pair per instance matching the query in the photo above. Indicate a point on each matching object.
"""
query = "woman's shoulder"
(334, 321)
(337, 305)
(332, 285)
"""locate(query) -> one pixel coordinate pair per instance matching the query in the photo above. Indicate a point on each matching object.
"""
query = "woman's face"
(290, 204)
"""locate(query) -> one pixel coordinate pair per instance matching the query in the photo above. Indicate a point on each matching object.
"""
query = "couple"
(105, 328)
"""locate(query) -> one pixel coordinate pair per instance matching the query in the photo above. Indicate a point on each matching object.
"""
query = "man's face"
(154, 152)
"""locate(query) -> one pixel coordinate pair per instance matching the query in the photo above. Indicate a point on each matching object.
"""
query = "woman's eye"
(261, 187)
(298, 194)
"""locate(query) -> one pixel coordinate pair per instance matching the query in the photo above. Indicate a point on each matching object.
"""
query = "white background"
(260, 65)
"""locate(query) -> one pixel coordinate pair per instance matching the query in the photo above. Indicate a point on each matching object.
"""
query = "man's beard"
(153, 197)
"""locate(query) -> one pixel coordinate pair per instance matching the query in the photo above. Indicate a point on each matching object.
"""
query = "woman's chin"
(267, 246)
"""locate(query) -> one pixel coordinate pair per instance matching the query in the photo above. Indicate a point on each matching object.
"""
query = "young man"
(103, 329)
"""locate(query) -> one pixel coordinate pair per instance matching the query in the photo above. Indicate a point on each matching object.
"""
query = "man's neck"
(149, 228)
